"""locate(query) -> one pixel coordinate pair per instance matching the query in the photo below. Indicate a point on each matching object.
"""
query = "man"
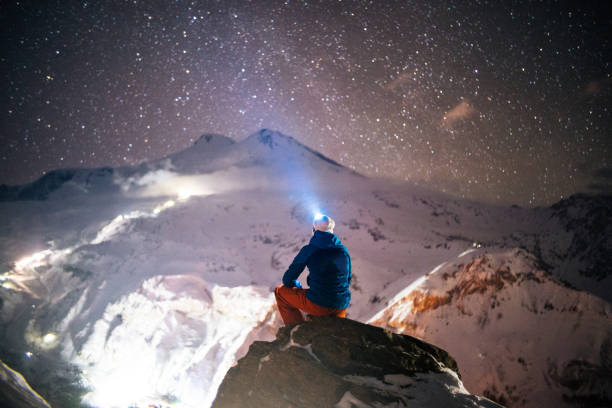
(329, 266)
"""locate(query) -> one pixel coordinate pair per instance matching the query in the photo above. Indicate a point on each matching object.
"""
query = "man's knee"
(277, 291)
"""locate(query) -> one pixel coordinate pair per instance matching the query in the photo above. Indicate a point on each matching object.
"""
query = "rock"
(15, 392)
(331, 362)
(521, 336)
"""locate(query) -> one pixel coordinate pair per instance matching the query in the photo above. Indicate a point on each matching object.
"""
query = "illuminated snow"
(176, 335)
(464, 253)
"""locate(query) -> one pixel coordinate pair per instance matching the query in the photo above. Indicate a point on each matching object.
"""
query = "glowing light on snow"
(33, 261)
(119, 223)
(437, 268)
(164, 206)
(464, 253)
(25, 277)
(184, 194)
(191, 187)
(178, 335)
(405, 292)
(166, 183)
(41, 258)
(121, 386)
(48, 341)
(115, 226)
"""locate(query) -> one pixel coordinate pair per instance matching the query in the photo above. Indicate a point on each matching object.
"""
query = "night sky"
(503, 102)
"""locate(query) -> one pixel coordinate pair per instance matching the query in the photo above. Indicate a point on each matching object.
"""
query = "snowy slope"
(88, 259)
(519, 336)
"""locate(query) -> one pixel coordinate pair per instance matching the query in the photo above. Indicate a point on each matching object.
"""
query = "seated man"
(329, 266)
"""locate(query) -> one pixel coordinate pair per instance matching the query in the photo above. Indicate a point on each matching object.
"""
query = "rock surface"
(522, 337)
(330, 362)
(15, 392)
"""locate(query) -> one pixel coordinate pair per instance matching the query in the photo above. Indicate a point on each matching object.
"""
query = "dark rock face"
(589, 219)
(40, 189)
(330, 362)
(15, 391)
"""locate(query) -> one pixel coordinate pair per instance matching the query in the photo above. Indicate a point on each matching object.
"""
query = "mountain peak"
(213, 139)
(274, 140)
(269, 138)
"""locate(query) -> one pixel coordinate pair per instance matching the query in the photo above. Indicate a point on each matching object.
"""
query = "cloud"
(596, 87)
(399, 81)
(461, 111)
(166, 183)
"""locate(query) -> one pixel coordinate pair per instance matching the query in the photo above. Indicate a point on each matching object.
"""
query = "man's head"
(323, 223)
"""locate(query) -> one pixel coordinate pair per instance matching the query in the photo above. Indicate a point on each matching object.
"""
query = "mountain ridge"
(209, 153)
(505, 307)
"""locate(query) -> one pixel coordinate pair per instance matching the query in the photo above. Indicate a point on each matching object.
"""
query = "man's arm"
(297, 266)
(350, 268)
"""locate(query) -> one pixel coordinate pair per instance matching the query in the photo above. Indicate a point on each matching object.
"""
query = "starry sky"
(506, 102)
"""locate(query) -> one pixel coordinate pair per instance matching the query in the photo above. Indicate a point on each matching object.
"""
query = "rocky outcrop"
(522, 337)
(586, 218)
(330, 362)
(15, 392)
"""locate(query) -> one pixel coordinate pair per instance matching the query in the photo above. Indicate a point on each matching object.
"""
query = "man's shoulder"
(308, 249)
(332, 251)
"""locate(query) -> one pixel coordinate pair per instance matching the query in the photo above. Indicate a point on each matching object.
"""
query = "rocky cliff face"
(587, 249)
(330, 362)
(15, 392)
(522, 337)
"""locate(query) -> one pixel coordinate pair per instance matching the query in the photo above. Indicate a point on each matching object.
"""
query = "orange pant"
(291, 300)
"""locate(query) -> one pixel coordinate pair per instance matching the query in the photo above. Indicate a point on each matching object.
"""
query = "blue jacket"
(329, 264)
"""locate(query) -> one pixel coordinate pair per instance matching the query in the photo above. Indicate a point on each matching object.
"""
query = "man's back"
(329, 277)
(329, 266)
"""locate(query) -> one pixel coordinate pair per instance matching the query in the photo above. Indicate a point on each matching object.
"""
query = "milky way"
(503, 102)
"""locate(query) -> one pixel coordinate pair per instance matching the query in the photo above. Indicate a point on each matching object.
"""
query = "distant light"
(318, 216)
(49, 338)
(33, 261)
(28, 354)
(160, 208)
(184, 194)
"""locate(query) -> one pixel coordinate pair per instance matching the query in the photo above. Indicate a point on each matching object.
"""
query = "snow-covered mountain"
(519, 335)
(162, 273)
